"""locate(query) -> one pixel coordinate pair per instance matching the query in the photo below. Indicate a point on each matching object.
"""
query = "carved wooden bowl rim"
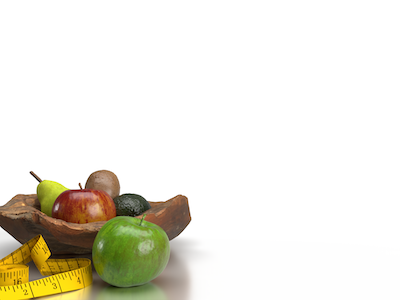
(23, 211)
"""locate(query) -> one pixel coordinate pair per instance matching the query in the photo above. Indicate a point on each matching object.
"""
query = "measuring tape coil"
(65, 274)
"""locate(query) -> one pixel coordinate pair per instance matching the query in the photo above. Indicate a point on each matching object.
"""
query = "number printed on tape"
(65, 274)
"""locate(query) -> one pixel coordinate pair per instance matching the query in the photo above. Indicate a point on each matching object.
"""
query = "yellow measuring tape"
(67, 274)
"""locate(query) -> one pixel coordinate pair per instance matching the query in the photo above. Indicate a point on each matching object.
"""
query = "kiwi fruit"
(104, 180)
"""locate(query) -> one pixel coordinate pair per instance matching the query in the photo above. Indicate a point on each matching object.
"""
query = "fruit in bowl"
(84, 206)
(104, 180)
(47, 192)
(131, 205)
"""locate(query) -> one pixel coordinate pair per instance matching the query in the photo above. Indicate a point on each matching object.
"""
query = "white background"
(279, 120)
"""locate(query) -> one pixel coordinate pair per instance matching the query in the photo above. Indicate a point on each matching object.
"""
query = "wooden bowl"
(21, 217)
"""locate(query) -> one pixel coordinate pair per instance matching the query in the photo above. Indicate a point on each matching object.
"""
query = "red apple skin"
(84, 206)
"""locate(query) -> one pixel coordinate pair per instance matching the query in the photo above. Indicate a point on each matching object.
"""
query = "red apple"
(84, 206)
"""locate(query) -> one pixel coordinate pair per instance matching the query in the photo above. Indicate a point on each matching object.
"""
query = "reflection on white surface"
(143, 292)
(79, 294)
(175, 280)
(247, 269)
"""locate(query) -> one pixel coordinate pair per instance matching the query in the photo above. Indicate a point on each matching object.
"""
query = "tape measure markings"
(66, 274)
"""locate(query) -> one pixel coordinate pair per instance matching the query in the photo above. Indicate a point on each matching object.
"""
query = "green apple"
(128, 251)
(47, 192)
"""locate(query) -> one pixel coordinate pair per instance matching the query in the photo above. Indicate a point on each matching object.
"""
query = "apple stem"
(34, 175)
(80, 186)
(141, 221)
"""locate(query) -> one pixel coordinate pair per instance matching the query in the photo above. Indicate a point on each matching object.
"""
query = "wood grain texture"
(21, 217)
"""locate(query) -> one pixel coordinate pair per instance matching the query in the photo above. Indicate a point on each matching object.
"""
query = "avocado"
(131, 205)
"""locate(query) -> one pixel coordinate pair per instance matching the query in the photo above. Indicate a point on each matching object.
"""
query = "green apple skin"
(129, 251)
(47, 192)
